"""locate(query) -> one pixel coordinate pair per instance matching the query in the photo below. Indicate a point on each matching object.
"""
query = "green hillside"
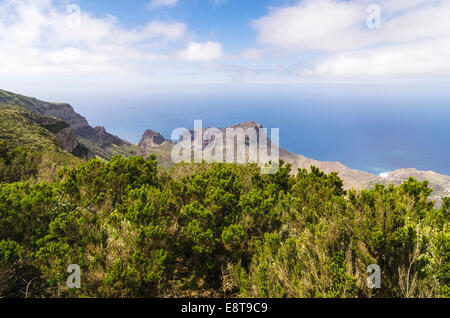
(8, 98)
(100, 143)
(19, 128)
(34, 152)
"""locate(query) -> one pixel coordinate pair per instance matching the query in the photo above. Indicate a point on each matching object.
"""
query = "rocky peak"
(248, 125)
(151, 139)
(100, 130)
(244, 125)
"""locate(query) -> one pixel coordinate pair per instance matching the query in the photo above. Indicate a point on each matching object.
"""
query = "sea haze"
(375, 128)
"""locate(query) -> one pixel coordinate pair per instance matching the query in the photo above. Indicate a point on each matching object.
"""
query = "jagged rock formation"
(153, 143)
(151, 139)
(62, 131)
(353, 179)
(206, 141)
(66, 137)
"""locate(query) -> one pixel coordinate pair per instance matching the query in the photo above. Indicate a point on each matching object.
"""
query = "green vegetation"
(221, 230)
(163, 154)
(19, 128)
(20, 132)
(21, 164)
(17, 109)
(107, 146)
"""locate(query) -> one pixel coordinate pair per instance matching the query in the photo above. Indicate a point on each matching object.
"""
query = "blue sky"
(228, 20)
(120, 62)
(76, 43)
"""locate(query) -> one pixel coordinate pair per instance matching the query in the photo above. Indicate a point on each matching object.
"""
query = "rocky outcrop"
(101, 130)
(206, 142)
(67, 139)
(353, 179)
(151, 139)
(63, 132)
(97, 140)
(61, 111)
(248, 125)
(64, 112)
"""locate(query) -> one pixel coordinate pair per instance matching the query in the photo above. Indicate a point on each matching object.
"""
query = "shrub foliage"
(218, 230)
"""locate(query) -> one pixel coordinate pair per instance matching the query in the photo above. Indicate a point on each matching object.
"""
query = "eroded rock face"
(247, 125)
(93, 141)
(101, 130)
(151, 139)
(64, 112)
(67, 139)
(64, 134)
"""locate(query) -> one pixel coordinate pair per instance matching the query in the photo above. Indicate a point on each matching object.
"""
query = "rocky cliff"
(353, 179)
(98, 141)
(20, 127)
(151, 139)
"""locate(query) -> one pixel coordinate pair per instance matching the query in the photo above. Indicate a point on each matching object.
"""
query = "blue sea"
(371, 127)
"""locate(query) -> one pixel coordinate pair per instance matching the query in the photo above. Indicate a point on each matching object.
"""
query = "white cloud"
(414, 38)
(334, 25)
(202, 52)
(414, 41)
(251, 54)
(427, 58)
(317, 24)
(171, 31)
(162, 3)
(35, 38)
(400, 5)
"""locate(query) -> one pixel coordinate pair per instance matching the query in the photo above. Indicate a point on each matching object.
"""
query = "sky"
(338, 77)
(107, 45)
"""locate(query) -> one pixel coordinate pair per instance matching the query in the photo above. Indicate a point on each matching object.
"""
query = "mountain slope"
(105, 145)
(438, 182)
(153, 143)
(23, 128)
(34, 147)
(97, 140)
(353, 179)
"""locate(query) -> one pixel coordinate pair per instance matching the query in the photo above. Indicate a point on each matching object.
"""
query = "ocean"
(372, 127)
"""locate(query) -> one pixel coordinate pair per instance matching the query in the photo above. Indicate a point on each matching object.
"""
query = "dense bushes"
(217, 230)
(21, 164)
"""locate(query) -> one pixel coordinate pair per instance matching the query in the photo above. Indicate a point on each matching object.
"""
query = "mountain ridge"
(105, 145)
(353, 178)
(99, 142)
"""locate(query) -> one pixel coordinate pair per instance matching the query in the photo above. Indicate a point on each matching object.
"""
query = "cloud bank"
(38, 37)
(310, 40)
(414, 38)
(199, 52)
